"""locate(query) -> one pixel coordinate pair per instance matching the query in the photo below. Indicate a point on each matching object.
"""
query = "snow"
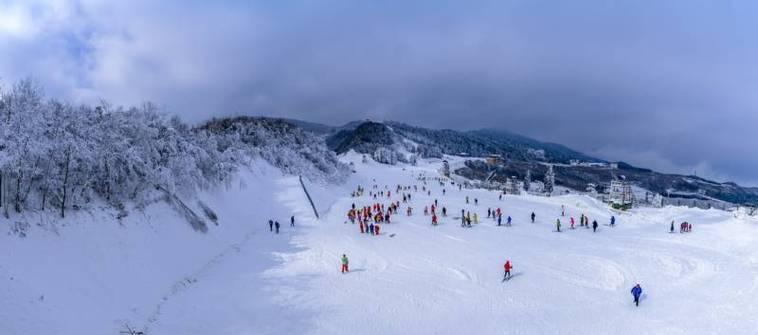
(155, 273)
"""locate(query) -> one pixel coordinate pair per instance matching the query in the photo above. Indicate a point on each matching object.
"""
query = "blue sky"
(666, 84)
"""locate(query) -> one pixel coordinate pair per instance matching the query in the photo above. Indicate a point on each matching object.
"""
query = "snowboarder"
(594, 226)
(558, 225)
(507, 268)
(344, 264)
(533, 216)
(637, 292)
(276, 225)
(271, 225)
(292, 221)
(613, 220)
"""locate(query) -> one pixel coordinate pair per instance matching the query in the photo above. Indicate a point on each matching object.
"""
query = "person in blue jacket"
(636, 292)
(613, 220)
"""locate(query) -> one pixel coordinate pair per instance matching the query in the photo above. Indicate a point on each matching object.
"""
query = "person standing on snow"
(613, 220)
(533, 216)
(563, 210)
(361, 224)
(344, 264)
(637, 292)
(558, 225)
(499, 219)
(509, 220)
(434, 219)
(292, 221)
(507, 268)
(276, 225)
(371, 228)
(271, 225)
(572, 222)
(594, 226)
(672, 227)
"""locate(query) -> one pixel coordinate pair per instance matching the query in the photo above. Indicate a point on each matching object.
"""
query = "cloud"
(663, 83)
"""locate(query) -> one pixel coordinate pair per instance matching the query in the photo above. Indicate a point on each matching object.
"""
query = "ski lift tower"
(620, 194)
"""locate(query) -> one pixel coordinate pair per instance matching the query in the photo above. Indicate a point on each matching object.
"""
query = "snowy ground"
(155, 273)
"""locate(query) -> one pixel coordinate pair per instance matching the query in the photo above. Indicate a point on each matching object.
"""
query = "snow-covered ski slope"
(447, 279)
(153, 272)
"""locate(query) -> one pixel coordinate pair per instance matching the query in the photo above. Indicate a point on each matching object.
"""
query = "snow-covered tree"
(549, 180)
(528, 180)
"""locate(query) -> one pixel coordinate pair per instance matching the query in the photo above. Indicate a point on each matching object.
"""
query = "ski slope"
(447, 279)
(90, 274)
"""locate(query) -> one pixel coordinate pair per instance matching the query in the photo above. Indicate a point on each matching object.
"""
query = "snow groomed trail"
(447, 280)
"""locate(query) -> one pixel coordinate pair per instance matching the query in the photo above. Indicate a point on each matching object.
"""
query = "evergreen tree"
(528, 180)
(549, 180)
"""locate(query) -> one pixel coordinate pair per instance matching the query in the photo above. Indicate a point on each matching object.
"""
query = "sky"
(665, 84)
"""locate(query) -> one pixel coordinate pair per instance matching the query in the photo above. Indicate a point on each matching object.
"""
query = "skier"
(533, 216)
(489, 213)
(594, 226)
(500, 197)
(558, 225)
(466, 199)
(637, 292)
(271, 225)
(499, 219)
(509, 220)
(476, 218)
(344, 264)
(672, 227)
(444, 211)
(572, 222)
(376, 228)
(371, 228)
(276, 224)
(434, 219)
(507, 268)
(292, 221)
(476, 202)
(563, 210)
(613, 220)
(361, 224)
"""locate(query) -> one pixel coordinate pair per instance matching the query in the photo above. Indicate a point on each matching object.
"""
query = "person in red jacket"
(434, 219)
(508, 268)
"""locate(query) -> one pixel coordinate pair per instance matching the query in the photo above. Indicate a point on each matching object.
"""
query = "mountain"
(391, 142)
(404, 139)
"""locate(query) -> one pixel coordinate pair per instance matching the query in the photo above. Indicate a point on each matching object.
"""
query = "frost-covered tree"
(57, 155)
(528, 180)
(549, 180)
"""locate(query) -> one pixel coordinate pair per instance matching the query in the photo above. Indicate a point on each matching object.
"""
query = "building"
(513, 186)
(494, 159)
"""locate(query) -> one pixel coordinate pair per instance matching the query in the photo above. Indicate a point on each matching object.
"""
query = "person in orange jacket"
(376, 228)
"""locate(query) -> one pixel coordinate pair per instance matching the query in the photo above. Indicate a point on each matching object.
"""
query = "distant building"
(494, 159)
(574, 162)
(614, 166)
(513, 186)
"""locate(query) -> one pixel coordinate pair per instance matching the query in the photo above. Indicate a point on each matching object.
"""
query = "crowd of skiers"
(369, 218)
